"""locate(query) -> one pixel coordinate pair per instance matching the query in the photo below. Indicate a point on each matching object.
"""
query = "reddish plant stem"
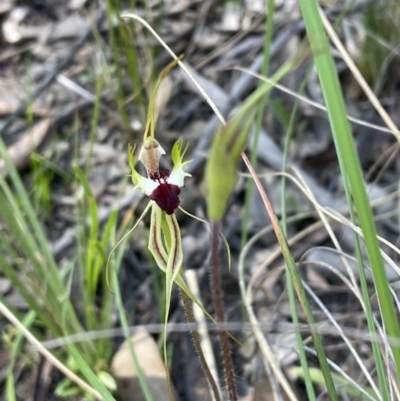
(196, 341)
(216, 289)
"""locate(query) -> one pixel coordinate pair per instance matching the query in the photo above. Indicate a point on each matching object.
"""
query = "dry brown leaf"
(263, 391)
(11, 26)
(5, 6)
(151, 364)
(20, 151)
(8, 108)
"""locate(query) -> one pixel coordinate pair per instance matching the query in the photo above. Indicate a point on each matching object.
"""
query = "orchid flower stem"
(196, 341)
(216, 290)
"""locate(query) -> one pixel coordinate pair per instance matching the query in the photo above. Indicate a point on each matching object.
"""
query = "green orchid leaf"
(221, 175)
(229, 141)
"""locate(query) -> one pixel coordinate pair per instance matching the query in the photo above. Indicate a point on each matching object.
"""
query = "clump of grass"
(27, 261)
(353, 179)
(381, 38)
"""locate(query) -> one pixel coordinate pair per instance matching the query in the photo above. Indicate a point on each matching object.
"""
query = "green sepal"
(177, 154)
(131, 162)
(150, 124)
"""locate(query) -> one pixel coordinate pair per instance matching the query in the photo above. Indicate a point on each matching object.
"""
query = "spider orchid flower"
(161, 186)
(163, 189)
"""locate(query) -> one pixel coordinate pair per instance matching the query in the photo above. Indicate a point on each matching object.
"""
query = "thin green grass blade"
(91, 278)
(112, 12)
(30, 237)
(269, 23)
(121, 313)
(346, 386)
(107, 300)
(15, 351)
(350, 164)
(88, 372)
(89, 248)
(94, 123)
(30, 276)
(132, 59)
(383, 384)
(290, 288)
(28, 213)
(382, 379)
(10, 387)
(298, 285)
(33, 302)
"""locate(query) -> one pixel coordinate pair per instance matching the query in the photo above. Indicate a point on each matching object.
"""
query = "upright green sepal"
(151, 115)
(131, 162)
(178, 153)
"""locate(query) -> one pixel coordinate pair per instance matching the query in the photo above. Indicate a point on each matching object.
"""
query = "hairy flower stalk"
(216, 287)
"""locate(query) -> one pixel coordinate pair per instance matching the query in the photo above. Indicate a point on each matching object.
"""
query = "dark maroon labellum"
(166, 197)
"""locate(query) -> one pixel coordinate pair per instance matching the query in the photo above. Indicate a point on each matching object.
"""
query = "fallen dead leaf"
(5, 6)
(263, 391)
(7, 108)
(11, 26)
(151, 363)
(20, 151)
